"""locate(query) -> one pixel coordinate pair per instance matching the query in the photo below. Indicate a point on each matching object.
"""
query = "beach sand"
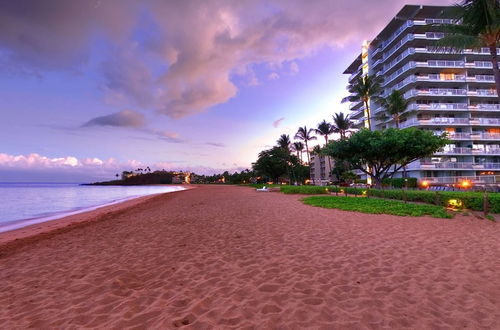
(229, 257)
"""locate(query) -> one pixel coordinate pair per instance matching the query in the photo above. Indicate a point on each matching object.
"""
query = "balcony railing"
(482, 92)
(482, 78)
(455, 151)
(439, 106)
(486, 179)
(484, 106)
(448, 165)
(435, 92)
(469, 151)
(485, 121)
(435, 121)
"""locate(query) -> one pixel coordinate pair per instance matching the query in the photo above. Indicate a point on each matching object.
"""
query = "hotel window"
(447, 76)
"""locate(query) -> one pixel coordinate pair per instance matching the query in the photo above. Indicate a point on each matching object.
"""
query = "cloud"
(216, 144)
(180, 57)
(169, 136)
(71, 169)
(273, 76)
(125, 118)
(277, 123)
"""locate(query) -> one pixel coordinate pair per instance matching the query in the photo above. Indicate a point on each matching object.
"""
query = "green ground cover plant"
(376, 206)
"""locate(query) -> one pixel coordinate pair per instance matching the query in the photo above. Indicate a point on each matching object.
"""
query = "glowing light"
(455, 204)
(425, 183)
(363, 192)
(466, 184)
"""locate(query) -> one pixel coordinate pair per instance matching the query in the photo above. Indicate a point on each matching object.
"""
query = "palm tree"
(324, 129)
(284, 142)
(480, 27)
(362, 89)
(341, 124)
(305, 135)
(394, 104)
(298, 147)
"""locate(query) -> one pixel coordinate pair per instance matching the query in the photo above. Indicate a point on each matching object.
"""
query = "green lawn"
(376, 206)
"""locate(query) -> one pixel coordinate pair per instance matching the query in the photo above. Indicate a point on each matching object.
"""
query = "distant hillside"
(159, 177)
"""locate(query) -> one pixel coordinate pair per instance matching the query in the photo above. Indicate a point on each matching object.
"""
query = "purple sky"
(89, 88)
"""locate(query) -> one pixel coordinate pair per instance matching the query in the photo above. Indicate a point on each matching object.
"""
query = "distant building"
(321, 169)
(452, 92)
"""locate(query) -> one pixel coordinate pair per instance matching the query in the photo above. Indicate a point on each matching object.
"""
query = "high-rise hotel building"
(451, 92)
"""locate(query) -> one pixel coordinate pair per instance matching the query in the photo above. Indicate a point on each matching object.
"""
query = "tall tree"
(298, 147)
(476, 25)
(284, 142)
(362, 89)
(324, 129)
(305, 135)
(377, 152)
(395, 105)
(341, 124)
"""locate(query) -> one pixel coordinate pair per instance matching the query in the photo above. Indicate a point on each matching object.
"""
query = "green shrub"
(306, 190)
(377, 206)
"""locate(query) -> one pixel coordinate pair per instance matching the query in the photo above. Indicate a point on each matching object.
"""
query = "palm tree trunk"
(368, 115)
(496, 70)
(307, 151)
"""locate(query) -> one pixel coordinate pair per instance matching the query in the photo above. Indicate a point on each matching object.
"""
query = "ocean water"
(23, 204)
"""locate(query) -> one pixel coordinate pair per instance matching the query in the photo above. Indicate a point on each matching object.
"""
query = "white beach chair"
(263, 189)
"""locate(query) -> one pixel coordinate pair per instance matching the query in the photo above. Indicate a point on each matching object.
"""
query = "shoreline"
(18, 237)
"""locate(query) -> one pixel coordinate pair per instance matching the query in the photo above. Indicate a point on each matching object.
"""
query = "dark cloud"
(277, 123)
(125, 118)
(216, 144)
(178, 57)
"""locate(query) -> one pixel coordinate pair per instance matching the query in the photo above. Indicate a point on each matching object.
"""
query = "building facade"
(452, 92)
(321, 169)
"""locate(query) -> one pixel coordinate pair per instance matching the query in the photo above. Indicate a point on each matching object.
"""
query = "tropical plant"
(298, 147)
(325, 129)
(316, 150)
(284, 142)
(305, 135)
(395, 105)
(341, 124)
(476, 24)
(380, 154)
(362, 89)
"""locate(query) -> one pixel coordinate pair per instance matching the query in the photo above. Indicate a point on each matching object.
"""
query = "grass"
(260, 185)
(377, 206)
(305, 190)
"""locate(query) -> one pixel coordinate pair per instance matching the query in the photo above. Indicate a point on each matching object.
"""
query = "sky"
(90, 88)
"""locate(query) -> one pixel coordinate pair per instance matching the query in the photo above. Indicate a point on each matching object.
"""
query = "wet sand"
(229, 257)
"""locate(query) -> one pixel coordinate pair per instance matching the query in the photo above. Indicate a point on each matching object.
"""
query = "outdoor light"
(465, 184)
(425, 183)
(455, 204)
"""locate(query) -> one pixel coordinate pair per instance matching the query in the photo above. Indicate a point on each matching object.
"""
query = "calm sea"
(23, 204)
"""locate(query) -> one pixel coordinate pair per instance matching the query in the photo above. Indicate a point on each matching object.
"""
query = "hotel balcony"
(469, 151)
(440, 121)
(478, 180)
(484, 107)
(429, 166)
(483, 93)
(435, 92)
(485, 121)
(472, 136)
(440, 106)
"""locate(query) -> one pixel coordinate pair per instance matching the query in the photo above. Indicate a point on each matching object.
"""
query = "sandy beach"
(219, 257)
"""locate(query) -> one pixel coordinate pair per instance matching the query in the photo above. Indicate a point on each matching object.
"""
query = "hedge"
(470, 200)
